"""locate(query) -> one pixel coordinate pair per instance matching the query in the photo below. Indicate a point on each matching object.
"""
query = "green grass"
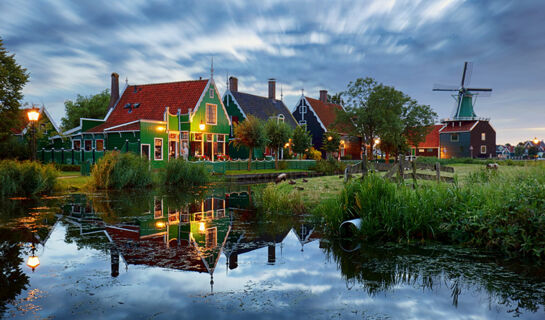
(73, 182)
(26, 178)
(260, 171)
(69, 173)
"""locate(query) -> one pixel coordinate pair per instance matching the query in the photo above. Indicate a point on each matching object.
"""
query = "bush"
(314, 154)
(329, 167)
(278, 200)
(179, 172)
(26, 178)
(500, 212)
(120, 171)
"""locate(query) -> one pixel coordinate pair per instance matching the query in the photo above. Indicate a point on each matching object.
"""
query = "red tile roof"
(153, 99)
(464, 127)
(128, 127)
(327, 112)
(432, 138)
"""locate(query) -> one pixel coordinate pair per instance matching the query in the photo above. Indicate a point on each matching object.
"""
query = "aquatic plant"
(272, 199)
(120, 171)
(26, 178)
(179, 172)
(503, 212)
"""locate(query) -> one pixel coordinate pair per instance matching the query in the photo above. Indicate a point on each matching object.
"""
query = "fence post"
(414, 173)
(82, 155)
(52, 155)
(438, 171)
(94, 155)
(43, 155)
(62, 155)
(364, 166)
(73, 156)
(127, 145)
(401, 169)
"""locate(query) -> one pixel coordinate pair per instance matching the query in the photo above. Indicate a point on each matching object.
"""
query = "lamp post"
(377, 142)
(33, 261)
(33, 116)
(471, 151)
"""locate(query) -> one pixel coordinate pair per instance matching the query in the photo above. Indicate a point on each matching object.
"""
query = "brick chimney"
(323, 96)
(233, 84)
(114, 92)
(272, 88)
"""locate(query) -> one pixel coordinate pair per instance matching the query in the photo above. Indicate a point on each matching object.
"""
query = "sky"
(71, 48)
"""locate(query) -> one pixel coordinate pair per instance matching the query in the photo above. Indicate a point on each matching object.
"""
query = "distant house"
(239, 105)
(540, 146)
(468, 139)
(319, 117)
(45, 128)
(430, 146)
(505, 151)
(157, 120)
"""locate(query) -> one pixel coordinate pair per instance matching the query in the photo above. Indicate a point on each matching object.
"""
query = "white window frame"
(304, 122)
(162, 146)
(97, 140)
(483, 149)
(483, 136)
(303, 109)
(206, 114)
(73, 147)
(149, 150)
(84, 141)
(452, 135)
(280, 117)
(211, 93)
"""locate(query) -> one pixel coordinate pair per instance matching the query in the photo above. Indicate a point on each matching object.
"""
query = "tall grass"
(116, 171)
(279, 200)
(508, 162)
(503, 212)
(183, 173)
(26, 178)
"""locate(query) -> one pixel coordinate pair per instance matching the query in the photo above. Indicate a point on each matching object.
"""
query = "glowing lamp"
(329, 138)
(377, 141)
(536, 140)
(33, 115)
(160, 224)
(161, 128)
(201, 227)
(287, 145)
(33, 262)
(202, 126)
(342, 141)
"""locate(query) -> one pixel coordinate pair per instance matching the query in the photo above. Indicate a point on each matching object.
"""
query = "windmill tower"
(465, 134)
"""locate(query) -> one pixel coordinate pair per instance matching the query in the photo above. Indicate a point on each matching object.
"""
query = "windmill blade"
(485, 93)
(478, 89)
(442, 87)
(469, 72)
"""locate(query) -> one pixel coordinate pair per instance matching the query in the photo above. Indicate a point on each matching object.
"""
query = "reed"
(183, 173)
(26, 178)
(116, 171)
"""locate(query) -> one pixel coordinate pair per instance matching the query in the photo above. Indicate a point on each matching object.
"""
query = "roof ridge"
(168, 82)
(255, 95)
(328, 103)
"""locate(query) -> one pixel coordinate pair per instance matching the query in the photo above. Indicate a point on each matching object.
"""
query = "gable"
(262, 108)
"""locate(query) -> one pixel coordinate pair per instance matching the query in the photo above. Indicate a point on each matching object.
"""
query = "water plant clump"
(502, 212)
(179, 172)
(117, 171)
(26, 178)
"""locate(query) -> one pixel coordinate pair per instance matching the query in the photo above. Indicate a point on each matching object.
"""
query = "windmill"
(464, 97)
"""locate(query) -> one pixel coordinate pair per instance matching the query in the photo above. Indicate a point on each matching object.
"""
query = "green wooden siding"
(148, 132)
(222, 124)
(87, 124)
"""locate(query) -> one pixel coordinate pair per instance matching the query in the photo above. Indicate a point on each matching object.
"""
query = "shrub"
(120, 171)
(329, 167)
(279, 200)
(179, 172)
(314, 154)
(26, 178)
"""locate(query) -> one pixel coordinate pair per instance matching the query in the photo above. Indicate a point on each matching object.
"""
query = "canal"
(208, 254)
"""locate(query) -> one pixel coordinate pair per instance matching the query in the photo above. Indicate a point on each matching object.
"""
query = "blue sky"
(71, 48)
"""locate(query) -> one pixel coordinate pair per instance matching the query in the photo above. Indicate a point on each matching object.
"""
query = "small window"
(281, 118)
(211, 93)
(421, 150)
(430, 150)
(483, 149)
(211, 238)
(99, 145)
(158, 154)
(211, 110)
(144, 151)
(221, 138)
(76, 145)
(157, 207)
(483, 136)
(88, 144)
(303, 109)
(454, 137)
(209, 137)
(185, 135)
(197, 137)
(303, 122)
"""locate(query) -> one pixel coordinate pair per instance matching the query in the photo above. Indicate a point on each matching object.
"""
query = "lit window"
(211, 114)
(158, 154)
(483, 149)
(421, 150)
(157, 207)
(99, 145)
(454, 137)
(197, 137)
(483, 136)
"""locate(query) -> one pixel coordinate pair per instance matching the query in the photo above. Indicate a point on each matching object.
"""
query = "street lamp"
(33, 116)
(471, 151)
(33, 261)
(202, 126)
(329, 138)
(536, 140)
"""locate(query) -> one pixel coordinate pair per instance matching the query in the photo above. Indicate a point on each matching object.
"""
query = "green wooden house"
(160, 121)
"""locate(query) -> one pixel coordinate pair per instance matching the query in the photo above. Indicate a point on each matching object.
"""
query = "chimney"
(114, 92)
(323, 96)
(233, 84)
(272, 88)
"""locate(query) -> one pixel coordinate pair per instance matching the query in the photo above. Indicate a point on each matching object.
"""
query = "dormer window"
(280, 118)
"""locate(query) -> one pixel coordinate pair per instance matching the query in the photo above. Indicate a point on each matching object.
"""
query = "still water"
(209, 255)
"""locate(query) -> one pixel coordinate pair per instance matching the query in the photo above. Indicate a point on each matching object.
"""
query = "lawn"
(72, 180)
(260, 171)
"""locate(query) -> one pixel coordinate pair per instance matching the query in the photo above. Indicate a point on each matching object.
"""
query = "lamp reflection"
(33, 261)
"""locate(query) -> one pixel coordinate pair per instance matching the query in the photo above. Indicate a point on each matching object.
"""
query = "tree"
(93, 106)
(337, 98)
(331, 142)
(13, 78)
(519, 150)
(532, 152)
(301, 140)
(249, 133)
(278, 134)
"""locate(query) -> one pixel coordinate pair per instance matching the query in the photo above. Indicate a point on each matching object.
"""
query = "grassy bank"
(502, 212)
(261, 171)
(25, 178)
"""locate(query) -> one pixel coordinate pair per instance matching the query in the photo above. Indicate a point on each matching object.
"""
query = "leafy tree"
(336, 98)
(532, 152)
(249, 133)
(301, 140)
(331, 142)
(278, 134)
(13, 78)
(93, 106)
(519, 150)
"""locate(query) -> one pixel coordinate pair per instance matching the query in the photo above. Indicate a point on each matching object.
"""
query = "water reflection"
(130, 254)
